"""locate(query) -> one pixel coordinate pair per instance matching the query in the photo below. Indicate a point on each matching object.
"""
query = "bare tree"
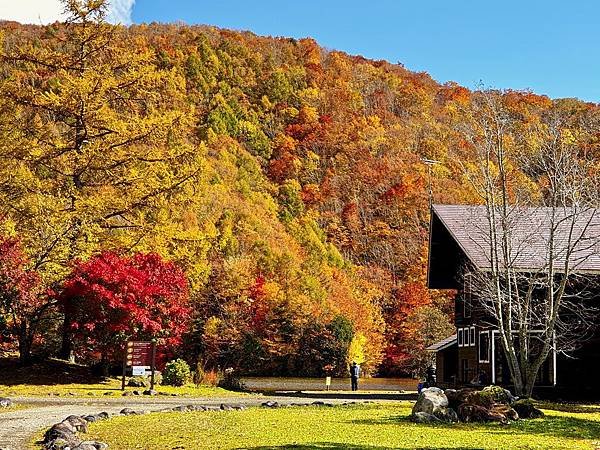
(538, 240)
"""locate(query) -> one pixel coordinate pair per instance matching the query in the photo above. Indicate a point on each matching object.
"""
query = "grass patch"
(61, 379)
(15, 407)
(110, 387)
(372, 426)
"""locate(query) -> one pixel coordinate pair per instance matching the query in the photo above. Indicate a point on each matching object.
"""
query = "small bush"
(138, 381)
(176, 373)
(212, 378)
(206, 377)
(157, 377)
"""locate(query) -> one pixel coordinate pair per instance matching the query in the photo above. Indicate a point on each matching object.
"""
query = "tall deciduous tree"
(111, 298)
(553, 225)
(22, 300)
(100, 153)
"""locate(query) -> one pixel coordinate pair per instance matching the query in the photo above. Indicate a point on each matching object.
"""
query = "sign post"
(153, 365)
(139, 355)
(124, 370)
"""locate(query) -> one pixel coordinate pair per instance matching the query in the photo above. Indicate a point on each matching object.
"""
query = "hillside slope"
(295, 198)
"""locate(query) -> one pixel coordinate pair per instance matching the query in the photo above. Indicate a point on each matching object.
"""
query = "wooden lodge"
(473, 355)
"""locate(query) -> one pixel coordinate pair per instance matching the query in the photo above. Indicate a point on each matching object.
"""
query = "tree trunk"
(66, 348)
(25, 341)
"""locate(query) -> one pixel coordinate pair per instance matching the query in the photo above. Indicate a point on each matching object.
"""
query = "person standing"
(354, 374)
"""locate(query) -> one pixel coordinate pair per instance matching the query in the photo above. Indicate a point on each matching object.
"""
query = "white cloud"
(120, 11)
(31, 11)
(48, 11)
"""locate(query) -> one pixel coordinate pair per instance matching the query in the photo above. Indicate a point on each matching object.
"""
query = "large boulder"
(504, 412)
(60, 436)
(499, 395)
(487, 397)
(473, 413)
(430, 401)
(495, 413)
(78, 423)
(423, 417)
(527, 410)
(91, 445)
(447, 415)
(458, 397)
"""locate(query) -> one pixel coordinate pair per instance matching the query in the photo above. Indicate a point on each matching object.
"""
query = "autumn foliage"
(110, 299)
(23, 304)
(286, 181)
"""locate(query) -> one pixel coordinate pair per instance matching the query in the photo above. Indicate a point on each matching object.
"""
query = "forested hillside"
(285, 179)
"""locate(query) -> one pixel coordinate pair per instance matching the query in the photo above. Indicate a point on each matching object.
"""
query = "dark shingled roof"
(530, 231)
(443, 344)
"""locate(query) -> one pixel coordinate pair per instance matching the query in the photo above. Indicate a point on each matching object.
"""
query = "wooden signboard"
(139, 355)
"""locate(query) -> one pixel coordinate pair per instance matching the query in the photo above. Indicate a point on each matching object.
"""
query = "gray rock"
(128, 412)
(430, 401)
(86, 445)
(58, 444)
(447, 415)
(150, 392)
(5, 402)
(423, 417)
(225, 407)
(181, 408)
(77, 422)
(91, 445)
(91, 418)
(270, 404)
(137, 382)
(60, 436)
(527, 410)
(103, 415)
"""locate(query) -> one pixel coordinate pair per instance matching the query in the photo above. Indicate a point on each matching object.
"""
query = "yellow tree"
(98, 155)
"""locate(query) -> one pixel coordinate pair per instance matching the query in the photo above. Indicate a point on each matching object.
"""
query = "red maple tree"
(111, 298)
(22, 300)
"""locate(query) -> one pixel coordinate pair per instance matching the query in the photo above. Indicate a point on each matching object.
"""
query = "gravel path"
(18, 427)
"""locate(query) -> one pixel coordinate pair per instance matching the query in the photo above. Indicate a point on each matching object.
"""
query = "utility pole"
(429, 163)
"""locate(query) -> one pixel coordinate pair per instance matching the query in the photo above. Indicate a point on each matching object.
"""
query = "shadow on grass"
(569, 407)
(341, 446)
(45, 372)
(551, 426)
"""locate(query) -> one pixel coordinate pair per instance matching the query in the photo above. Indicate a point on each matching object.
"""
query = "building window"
(461, 341)
(484, 346)
(467, 295)
(472, 338)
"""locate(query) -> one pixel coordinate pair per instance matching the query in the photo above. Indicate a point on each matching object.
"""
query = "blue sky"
(551, 47)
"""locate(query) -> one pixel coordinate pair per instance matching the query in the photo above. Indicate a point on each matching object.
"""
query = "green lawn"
(59, 378)
(371, 426)
(108, 387)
